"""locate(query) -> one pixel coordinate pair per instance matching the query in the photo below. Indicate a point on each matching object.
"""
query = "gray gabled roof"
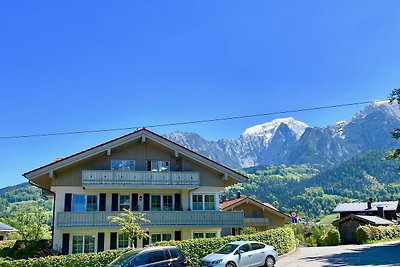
(373, 220)
(362, 206)
(6, 228)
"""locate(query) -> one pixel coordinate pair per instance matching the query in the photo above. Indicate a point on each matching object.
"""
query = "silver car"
(242, 254)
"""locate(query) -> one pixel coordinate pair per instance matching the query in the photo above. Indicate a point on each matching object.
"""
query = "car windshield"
(227, 249)
(124, 258)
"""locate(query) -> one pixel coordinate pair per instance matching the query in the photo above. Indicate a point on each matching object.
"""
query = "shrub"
(195, 249)
(24, 249)
(316, 235)
(331, 238)
(367, 233)
(248, 230)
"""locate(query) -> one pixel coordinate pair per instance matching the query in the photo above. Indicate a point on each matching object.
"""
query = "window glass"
(122, 165)
(156, 256)
(123, 241)
(155, 202)
(174, 253)
(167, 203)
(211, 235)
(197, 202)
(158, 166)
(124, 202)
(77, 244)
(91, 204)
(245, 247)
(78, 202)
(140, 259)
(89, 243)
(198, 235)
(166, 237)
(255, 246)
(209, 202)
(156, 238)
(83, 244)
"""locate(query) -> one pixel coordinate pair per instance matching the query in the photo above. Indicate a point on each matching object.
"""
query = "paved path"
(383, 254)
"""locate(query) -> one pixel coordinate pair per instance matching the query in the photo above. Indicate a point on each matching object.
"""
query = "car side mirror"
(240, 251)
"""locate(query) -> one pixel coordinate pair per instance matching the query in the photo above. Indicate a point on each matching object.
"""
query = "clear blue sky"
(77, 65)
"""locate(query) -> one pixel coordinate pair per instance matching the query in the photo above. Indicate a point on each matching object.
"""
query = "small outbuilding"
(5, 231)
(348, 225)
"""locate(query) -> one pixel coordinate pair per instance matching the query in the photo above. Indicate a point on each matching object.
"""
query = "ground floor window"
(83, 244)
(157, 237)
(204, 235)
(123, 241)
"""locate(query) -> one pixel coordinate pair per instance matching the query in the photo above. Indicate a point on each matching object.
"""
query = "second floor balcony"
(158, 219)
(139, 179)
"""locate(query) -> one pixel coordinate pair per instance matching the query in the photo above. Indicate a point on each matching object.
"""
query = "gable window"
(122, 165)
(124, 202)
(158, 166)
(83, 244)
(83, 203)
(203, 202)
(161, 203)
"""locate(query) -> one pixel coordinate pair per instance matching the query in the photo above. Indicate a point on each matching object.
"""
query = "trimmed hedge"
(368, 233)
(195, 249)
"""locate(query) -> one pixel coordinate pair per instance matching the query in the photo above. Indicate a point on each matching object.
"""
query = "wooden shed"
(348, 226)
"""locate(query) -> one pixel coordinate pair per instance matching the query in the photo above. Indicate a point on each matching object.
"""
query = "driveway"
(382, 254)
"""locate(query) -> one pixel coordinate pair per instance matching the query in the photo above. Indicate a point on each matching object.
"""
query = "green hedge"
(367, 233)
(282, 239)
(195, 249)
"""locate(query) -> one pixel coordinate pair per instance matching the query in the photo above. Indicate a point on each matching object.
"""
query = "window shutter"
(114, 202)
(65, 244)
(178, 204)
(178, 235)
(113, 240)
(67, 202)
(100, 242)
(146, 199)
(146, 241)
(135, 243)
(135, 202)
(102, 202)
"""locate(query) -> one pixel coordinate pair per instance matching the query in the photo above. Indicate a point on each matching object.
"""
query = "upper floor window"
(124, 202)
(122, 165)
(158, 166)
(203, 202)
(162, 202)
(84, 202)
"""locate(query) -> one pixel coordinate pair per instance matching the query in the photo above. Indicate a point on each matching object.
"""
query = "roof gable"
(363, 206)
(231, 176)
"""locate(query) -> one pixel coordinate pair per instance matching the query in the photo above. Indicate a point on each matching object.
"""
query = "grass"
(328, 219)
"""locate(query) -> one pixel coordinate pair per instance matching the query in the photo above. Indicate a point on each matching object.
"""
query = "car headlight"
(216, 261)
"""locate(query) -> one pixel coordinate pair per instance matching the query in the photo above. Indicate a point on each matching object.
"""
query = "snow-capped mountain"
(288, 141)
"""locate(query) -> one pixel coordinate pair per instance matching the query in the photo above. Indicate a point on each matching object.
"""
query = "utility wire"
(191, 122)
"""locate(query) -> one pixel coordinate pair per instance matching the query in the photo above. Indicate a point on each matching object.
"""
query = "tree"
(395, 154)
(131, 224)
(30, 221)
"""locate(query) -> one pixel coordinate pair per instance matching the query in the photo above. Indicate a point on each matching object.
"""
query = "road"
(382, 254)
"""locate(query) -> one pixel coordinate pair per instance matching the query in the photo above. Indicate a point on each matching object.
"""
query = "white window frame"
(123, 160)
(83, 245)
(203, 201)
(204, 233)
(129, 242)
(119, 201)
(86, 203)
(162, 201)
(158, 168)
(161, 233)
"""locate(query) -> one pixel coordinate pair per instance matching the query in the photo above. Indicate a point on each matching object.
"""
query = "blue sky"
(78, 65)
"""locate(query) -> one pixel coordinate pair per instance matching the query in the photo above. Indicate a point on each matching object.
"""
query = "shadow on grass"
(388, 255)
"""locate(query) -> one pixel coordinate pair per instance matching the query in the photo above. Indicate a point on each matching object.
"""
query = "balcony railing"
(256, 221)
(158, 219)
(139, 179)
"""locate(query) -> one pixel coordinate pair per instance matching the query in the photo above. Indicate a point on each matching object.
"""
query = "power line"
(190, 122)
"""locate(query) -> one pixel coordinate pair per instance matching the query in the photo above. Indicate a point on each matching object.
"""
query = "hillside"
(315, 191)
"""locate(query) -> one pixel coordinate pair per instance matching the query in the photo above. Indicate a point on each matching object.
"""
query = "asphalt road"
(383, 254)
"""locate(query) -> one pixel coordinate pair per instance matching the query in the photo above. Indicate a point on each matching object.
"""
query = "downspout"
(54, 208)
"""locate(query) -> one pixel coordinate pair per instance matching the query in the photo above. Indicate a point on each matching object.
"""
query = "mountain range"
(289, 141)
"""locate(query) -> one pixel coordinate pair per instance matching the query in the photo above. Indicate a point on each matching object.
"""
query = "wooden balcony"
(139, 179)
(256, 221)
(158, 219)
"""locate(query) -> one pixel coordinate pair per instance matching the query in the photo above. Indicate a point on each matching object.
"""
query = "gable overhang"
(256, 203)
(46, 172)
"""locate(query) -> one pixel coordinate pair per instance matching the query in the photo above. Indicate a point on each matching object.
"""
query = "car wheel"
(269, 261)
(230, 264)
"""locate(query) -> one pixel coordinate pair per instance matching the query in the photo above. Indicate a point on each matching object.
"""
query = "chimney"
(369, 204)
(380, 212)
(57, 159)
(238, 194)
